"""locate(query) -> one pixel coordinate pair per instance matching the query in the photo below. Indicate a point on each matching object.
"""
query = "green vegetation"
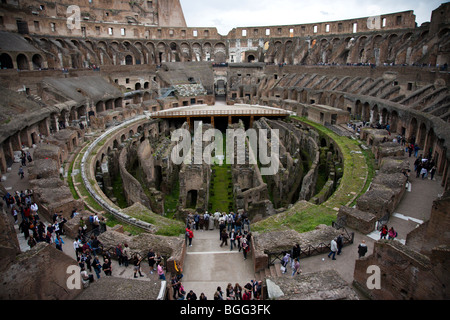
(221, 190)
(165, 226)
(171, 200)
(118, 192)
(358, 172)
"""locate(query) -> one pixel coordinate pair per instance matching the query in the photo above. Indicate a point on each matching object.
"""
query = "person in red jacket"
(189, 235)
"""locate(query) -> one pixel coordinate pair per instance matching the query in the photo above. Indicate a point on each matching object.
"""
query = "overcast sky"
(228, 14)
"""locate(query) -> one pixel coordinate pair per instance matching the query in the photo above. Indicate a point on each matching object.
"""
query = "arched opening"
(394, 121)
(22, 62)
(37, 61)
(129, 60)
(412, 132)
(366, 112)
(191, 199)
(137, 86)
(6, 61)
(250, 58)
(375, 117)
(422, 135)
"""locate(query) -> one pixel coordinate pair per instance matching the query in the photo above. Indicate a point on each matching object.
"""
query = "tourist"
(238, 240)
(237, 292)
(86, 278)
(151, 260)
(191, 295)
(201, 222)
(229, 292)
(224, 237)
(202, 297)
(296, 268)
(31, 241)
(216, 219)
(218, 295)
(424, 172)
(21, 173)
(97, 266)
(392, 234)
(247, 293)
(107, 268)
(126, 255)
(175, 286)
(189, 235)
(284, 262)
(119, 254)
(384, 232)
(222, 226)
(245, 248)
(137, 264)
(196, 220)
(95, 245)
(59, 242)
(296, 251)
(161, 271)
(232, 237)
(333, 248)
(432, 172)
(76, 247)
(340, 243)
(362, 249)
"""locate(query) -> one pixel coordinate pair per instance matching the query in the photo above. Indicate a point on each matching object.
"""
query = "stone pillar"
(7, 150)
(25, 137)
(44, 128)
(15, 142)
(3, 165)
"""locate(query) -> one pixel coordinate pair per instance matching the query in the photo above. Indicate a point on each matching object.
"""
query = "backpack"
(91, 219)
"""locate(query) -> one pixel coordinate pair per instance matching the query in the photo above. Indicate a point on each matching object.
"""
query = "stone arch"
(197, 52)
(394, 121)
(375, 116)
(412, 130)
(37, 61)
(365, 115)
(430, 141)
(6, 61)
(220, 52)
(422, 134)
(22, 62)
(161, 53)
(358, 109)
(100, 107)
(384, 116)
(129, 60)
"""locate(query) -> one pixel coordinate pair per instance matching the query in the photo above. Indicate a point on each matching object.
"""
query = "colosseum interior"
(95, 89)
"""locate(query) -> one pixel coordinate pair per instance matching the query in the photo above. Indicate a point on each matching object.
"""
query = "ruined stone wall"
(405, 274)
(132, 188)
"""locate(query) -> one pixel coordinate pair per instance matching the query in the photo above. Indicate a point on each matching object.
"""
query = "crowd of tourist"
(252, 290)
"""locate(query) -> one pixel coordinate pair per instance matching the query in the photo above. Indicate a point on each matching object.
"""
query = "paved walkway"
(208, 266)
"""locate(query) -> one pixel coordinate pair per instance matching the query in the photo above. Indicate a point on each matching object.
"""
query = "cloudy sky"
(228, 14)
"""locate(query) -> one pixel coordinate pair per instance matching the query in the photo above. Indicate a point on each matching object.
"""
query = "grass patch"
(171, 200)
(221, 195)
(118, 192)
(358, 173)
